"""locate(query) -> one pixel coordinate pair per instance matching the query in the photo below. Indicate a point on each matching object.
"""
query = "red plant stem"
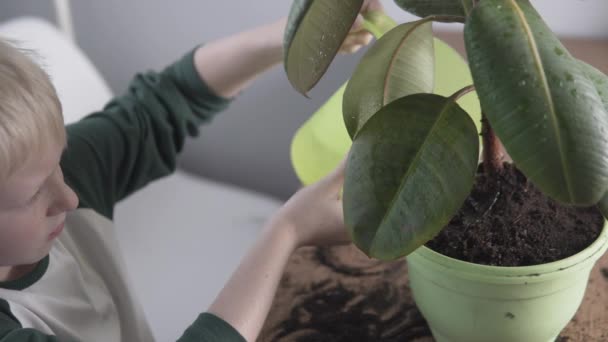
(493, 150)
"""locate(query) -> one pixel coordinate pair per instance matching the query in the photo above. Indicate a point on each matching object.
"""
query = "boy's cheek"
(22, 235)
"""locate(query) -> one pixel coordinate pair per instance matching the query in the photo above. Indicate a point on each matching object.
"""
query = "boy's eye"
(33, 198)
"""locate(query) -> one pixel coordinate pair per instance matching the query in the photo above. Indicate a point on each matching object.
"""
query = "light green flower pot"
(466, 302)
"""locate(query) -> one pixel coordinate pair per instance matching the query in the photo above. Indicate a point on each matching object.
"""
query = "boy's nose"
(71, 199)
(65, 200)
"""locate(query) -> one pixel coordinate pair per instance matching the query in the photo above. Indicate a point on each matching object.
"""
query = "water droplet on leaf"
(558, 51)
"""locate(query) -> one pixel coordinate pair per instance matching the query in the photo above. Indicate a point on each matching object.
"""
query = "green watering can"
(322, 141)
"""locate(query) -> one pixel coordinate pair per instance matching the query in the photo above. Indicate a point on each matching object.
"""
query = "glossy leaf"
(423, 8)
(601, 85)
(399, 64)
(409, 170)
(603, 206)
(599, 80)
(314, 33)
(541, 105)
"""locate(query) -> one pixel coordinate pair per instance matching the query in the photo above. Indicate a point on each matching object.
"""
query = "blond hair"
(30, 111)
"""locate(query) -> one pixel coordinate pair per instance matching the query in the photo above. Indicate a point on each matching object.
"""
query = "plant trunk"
(493, 151)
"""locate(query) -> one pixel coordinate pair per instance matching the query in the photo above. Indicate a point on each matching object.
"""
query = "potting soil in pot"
(507, 221)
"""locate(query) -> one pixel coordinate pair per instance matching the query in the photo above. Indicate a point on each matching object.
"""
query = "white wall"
(248, 145)
(570, 18)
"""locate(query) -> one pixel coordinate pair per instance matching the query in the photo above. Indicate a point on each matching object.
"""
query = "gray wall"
(248, 145)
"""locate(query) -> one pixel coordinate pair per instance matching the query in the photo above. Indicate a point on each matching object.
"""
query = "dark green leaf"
(603, 206)
(601, 85)
(314, 33)
(541, 105)
(599, 80)
(424, 8)
(410, 168)
(399, 64)
(296, 14)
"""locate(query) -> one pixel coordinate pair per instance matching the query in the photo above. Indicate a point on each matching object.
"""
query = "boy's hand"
(358, 37)
(314, 214)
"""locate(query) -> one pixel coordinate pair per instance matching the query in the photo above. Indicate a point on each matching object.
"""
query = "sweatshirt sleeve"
(210, 328)
(135, 139)
(28, 335)
(12, 331)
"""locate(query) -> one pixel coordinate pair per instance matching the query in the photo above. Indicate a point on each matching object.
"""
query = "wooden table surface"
(337, 294)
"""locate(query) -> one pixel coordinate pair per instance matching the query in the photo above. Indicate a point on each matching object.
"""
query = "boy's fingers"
(335, 179)
(355, 41)
(372, 5)
(364, 38)
(358, 24)
(350, 49)
(358, 38)
(343, 236)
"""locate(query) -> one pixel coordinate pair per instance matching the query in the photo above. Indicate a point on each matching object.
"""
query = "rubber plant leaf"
(424, 8)
(409, 170)
(314, 33)
(543, 108)
(601, 85)
(398, 64)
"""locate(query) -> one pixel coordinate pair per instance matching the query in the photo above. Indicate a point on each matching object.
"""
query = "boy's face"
(33, 206)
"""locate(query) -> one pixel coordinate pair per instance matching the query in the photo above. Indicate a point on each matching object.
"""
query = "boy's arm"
(230, 64)
(137, 136)
(313, 216)
(12, 331)
(28, 335)
(238, 313)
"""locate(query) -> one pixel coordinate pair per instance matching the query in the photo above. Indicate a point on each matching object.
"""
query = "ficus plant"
(415, 154)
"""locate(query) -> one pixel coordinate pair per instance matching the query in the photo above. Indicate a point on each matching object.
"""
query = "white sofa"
(182, 233)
